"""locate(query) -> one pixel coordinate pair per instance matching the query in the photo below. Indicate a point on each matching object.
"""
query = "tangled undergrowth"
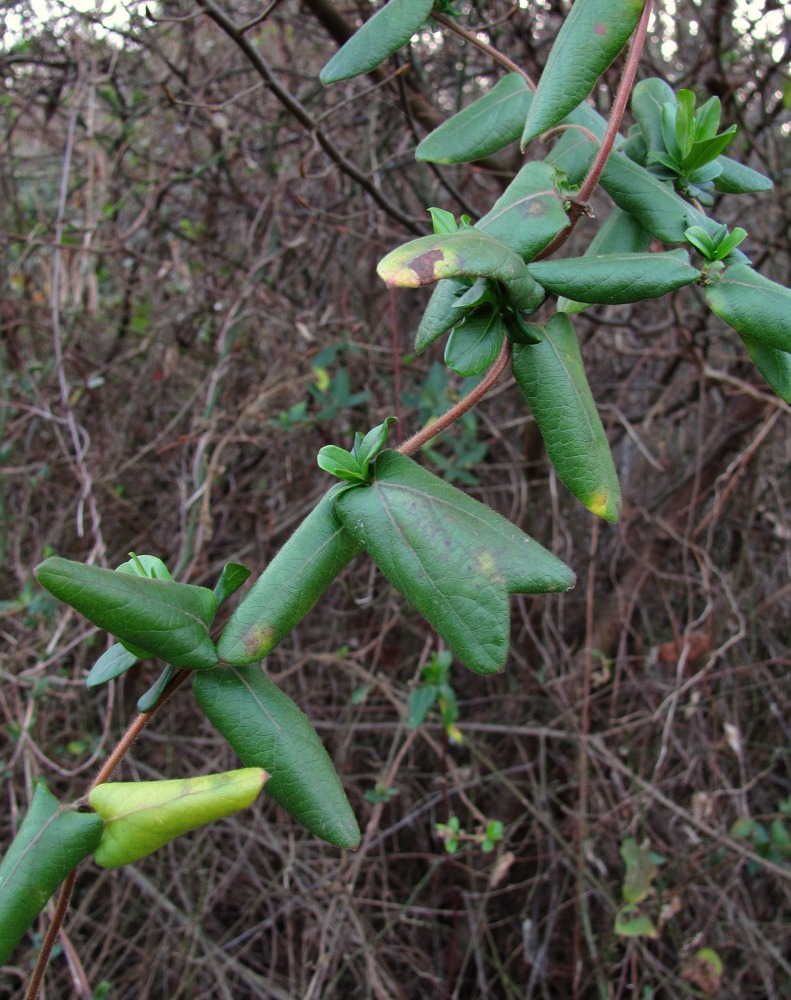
(165, 389)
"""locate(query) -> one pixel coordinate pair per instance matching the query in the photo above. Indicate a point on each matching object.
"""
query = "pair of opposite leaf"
(146, 610)
(129, 820)
(453, 558)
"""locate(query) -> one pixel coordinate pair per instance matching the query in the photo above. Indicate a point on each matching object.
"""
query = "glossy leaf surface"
(267, 729)
(592, 35)
(486, 126)
(51, 841)
(140, 816)
(163, 618)
(621, 233)
(383, 34)
(759, 309)
(111, 664)
(451, 557)
(289, 587)
(652, 202)
(442, 312)
(552, 378)
(774, 365)
(530, 212)
(615, 277)
(475, 343)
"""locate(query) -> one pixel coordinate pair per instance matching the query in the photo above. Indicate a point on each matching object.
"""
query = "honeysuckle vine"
(505, 301)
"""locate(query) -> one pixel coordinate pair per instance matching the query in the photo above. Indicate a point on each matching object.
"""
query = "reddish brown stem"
(106, 770)
(471, 399)
(490, 50)
(579, 206)
(619, 105)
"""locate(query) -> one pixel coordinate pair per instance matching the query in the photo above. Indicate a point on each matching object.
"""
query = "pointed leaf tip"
(141, 816)
(592, 35)
(151, 617)
(453, 558)
(552, 378)
(383, 34)
(267, 729)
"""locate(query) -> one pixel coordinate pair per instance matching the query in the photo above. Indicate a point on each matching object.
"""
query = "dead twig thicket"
(218, 321)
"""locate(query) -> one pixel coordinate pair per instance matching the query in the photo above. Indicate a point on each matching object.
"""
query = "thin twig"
(107, 769)
(51, 936)
(417, 441)
(298, 111)
(579, 205)
(490, 50)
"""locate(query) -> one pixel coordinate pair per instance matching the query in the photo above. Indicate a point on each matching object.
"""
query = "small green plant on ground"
(505, 302)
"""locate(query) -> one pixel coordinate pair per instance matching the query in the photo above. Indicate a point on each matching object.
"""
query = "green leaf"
(621, 233)
(111, 664)
(148, 701)
(641, 871)
(466, 253)
(140, 816)
(442, 221)
(266, 729)
(552, 378)
(289, 587)
(629, 926)
(705, 152)
(380, 36)
(341, 463)
(701, 240)
(442, 312)
(669, 115)
(453, 558)
(707, 119)
(480, 292)
(166, 619)
(738, 179)
(591, 37)
(150, 567)
(372, 444)
(530, 212)
(757, 308)
(51, 842)
(421, 701)
(615, 277)
(231, 579)
(475, 343)
(774, 365)
(652, 202)
(648, 98)
(685, 122)
(481, 129)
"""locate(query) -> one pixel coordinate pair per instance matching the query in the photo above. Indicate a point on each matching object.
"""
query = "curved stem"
(301, 114)
(417, 441)
(135, 729)
(579, 205)
(490, 50)
(52, 933)
(619, 104)
(118, 753)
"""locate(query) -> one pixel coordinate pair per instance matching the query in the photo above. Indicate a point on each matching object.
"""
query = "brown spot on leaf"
(423, 265)
(600, 29)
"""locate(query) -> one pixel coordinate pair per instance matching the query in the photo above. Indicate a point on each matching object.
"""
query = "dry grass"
(652, 702)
